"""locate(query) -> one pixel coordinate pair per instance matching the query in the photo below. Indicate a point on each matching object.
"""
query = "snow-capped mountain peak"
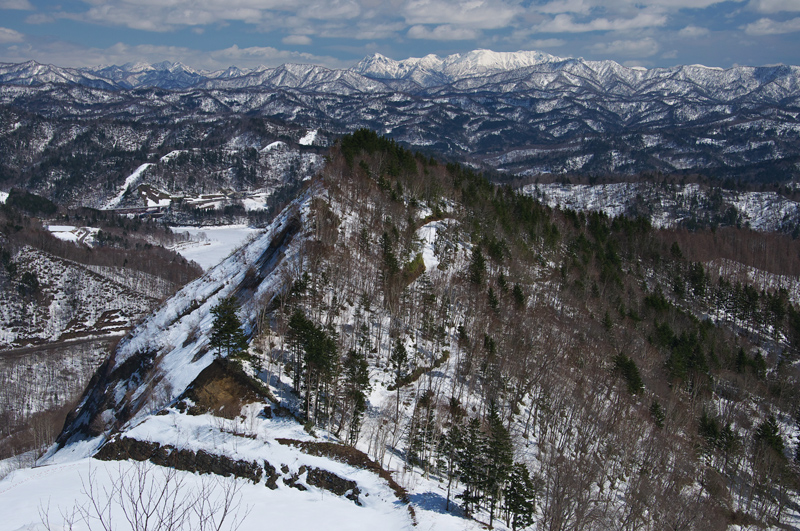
(451, 67)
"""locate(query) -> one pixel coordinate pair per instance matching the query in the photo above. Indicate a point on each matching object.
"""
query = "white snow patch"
(172, 154)
(210, 245)
(70, 233)
(309, 139)
(3, 197)
(427, 235)
(274, 145)
(114, 201)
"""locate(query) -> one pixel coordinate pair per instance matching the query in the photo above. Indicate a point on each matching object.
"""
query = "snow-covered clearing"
(210, 245)
(70, 233)
(309, 139)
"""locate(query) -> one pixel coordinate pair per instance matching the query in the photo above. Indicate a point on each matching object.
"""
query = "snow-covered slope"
(671, 205)
(522, 112)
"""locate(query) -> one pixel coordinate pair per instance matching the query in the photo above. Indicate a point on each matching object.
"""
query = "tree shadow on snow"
(431, 501)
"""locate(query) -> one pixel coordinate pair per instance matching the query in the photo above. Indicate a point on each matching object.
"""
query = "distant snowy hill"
(520, 113)
(671, 205)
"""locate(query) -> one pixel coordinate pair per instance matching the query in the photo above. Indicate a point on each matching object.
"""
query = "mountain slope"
(423, 316)
(519, 113)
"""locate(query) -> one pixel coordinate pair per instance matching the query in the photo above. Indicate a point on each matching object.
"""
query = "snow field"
(211, 245)
(114, 201)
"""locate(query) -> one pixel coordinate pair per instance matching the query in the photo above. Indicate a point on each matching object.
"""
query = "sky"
(215, 34)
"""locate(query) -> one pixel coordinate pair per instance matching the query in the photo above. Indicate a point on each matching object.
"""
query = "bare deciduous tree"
(145, 497)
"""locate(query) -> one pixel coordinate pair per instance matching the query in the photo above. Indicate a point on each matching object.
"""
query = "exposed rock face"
(204, 462)
(333, 483)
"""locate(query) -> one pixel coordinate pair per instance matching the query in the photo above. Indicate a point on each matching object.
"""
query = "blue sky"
(214, 34)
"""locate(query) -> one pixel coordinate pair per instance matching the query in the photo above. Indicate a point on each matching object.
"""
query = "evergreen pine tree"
(520, 497)
(356, 376)
(399, 361)
(499, 456)
(477, 266)
(226, 332)
(471, 463)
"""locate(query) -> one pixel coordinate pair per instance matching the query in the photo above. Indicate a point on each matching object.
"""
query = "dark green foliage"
(656, 301)
(760, 366)
(520, 496)
(31, 204)
(502, 282)
(675, 251)
(390, 262)
(686, 351)
(697, 279)
(519, 296)
(757, 364)
(741, 361)
(500, 457)
(769, 434)
(471, 464)
(29, 283)
(494, 303)
(708, 429)
(399, 360)
(226, 332)
(495, 248)
(369, 142)
(422, 431)
(657, 412)
(356, 386)
(316, 359)
(477, 266)
(628, 369)
(608, 324)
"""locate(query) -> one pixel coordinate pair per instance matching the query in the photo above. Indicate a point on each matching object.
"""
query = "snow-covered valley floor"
(210, 245)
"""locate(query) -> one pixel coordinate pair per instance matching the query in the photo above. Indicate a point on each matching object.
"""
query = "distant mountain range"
(520, 113)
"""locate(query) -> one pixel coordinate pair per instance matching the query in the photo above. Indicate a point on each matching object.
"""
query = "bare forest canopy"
(638, 385)
(131, 243)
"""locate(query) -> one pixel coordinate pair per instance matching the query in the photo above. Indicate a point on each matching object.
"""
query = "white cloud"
(302, 40)
(23, 5)
(10, 35)
(67, 54)
(767, 26)
(775, 6)
(478, 14)
(582, 7)
(693, 32)
(627, 48)
(566, 24)
(360, 30)
(39, 18)
(539, 44)
(445, 32)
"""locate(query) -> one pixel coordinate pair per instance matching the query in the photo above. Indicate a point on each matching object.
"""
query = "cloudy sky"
(213, 34)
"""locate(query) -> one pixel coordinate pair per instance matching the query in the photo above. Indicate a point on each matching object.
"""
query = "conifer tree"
(471, 463)
(499, 457)
(520, 497)
(399, 361)
(226, 332)
(356, 376)
(477, 266)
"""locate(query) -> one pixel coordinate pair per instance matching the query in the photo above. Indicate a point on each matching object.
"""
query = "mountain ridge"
(522, 113)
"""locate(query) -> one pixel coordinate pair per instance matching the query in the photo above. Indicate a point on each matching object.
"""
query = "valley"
(367, 298)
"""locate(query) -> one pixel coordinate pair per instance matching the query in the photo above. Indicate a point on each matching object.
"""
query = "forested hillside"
(64, 303)
(547, 368)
